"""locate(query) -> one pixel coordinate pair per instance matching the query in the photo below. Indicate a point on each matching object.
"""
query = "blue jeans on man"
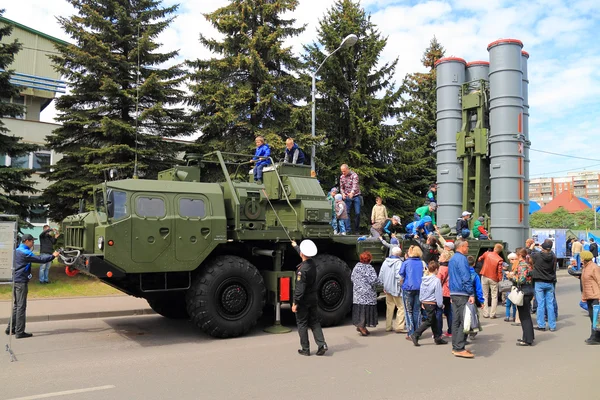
(412, 306)
(544, 293)
(356, 202)
(45, 271)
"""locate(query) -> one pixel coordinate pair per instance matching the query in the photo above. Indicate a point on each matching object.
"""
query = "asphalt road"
(150, 357)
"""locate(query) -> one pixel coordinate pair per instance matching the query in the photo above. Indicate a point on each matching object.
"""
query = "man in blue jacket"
(293, 154)
(461, 293)
(21, 276)
(261, 158)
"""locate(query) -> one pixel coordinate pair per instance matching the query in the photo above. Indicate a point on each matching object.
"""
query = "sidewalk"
(39, 310)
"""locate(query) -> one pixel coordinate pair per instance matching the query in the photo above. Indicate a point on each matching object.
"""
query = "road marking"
(65, 393)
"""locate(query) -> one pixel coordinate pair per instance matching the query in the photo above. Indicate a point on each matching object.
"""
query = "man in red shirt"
(491, 274)
(350, 190)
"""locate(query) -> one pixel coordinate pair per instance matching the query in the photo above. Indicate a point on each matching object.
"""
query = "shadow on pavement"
(487, 344)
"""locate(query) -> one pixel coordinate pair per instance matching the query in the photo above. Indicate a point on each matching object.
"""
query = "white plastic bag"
(467, 320)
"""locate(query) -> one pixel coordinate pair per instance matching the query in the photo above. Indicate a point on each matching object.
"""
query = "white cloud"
(559, 34)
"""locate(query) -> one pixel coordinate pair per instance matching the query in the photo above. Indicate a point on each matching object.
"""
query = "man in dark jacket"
(47, 242)
(544, 278)
(594, 249)
(305, 299)
(462, 225)
(293, 154)
(461, 293)
(21, 276)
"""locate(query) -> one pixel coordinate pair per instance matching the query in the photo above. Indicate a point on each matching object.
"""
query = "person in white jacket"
(389, 277)
(431, 297)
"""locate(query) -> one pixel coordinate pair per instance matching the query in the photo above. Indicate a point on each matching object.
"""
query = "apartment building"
(39, 84)
(584, 184)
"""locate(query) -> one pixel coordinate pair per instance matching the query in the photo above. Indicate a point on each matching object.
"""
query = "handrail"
(285, 193)
(234, 195)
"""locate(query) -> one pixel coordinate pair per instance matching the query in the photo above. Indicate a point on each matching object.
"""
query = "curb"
(85, 315)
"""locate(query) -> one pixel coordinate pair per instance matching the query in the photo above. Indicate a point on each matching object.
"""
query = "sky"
(560, 36)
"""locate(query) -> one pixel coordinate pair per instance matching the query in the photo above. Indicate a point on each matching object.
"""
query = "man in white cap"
(462, 225)
(305, 299)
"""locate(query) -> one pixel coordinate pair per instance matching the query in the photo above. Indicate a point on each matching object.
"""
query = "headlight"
(101, 243)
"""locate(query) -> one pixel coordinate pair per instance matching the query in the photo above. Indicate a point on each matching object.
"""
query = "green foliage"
(355, 97)
(15, 183)
(102, 123)
(415, 162)
(562, 219)
(251, 87)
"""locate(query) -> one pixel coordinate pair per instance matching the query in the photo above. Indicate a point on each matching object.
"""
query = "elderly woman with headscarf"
(364, 297)
(590, 282)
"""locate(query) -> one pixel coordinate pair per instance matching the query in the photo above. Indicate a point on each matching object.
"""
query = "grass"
(61, 285)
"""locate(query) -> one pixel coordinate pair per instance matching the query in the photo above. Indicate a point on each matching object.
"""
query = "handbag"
(516, 296)
(596, 318)
(505, 286)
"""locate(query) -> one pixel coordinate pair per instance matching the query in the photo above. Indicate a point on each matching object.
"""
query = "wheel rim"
(234, 299)
(331, 293)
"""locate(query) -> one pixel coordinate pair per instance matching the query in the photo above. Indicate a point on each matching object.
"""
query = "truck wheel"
(334, 289)
(227, 297)
(171, 305)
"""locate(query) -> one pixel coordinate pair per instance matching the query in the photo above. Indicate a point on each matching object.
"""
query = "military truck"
(217, 252)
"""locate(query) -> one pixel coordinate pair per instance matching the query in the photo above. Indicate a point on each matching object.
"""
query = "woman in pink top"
(443, 276)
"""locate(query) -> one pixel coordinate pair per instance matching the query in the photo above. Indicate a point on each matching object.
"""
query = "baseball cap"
(333, 189)
(449, 245)
(308, 248)
(547, 245)
(27, 236)
(397, 218)
(433, 204)
(465, 213)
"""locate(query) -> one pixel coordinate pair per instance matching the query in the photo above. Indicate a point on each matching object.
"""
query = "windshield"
(99, 204)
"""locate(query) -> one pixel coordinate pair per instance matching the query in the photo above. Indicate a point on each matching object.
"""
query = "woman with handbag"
(521, 295)
(590, 282)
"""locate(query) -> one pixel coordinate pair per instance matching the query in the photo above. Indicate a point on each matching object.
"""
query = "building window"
(20, 162)
(37, 214)
(41, 161)
(16, 100)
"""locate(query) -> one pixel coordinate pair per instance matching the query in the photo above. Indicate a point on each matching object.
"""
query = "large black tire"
(227, 297)
(334, 289)
(169, 304)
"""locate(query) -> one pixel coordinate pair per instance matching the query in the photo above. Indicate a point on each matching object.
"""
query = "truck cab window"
(150, 207)
(192, 208)
(117, 204)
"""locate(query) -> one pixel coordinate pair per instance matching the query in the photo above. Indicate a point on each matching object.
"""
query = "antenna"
(137, 99)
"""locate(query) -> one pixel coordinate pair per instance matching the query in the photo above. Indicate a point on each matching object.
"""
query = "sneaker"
(259, 182)
(401, 331)
(7, 331)
(440, 341)
(522, 343)
(552, 330)
(462, 354)
(537, 328)
(303, 352)
(343, 233)
(322, 350)
(23, 335)
(415, 339)
(447, 335)
(592, 342)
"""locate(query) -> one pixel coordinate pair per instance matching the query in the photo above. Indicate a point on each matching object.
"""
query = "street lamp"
(348, 41)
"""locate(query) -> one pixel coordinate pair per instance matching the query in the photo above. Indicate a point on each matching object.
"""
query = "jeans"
(344, 225)
(595, 334)
(349, 202)
(258, 172)
(544, 294)
(488, 284)
(412, 306)
(526, 322)
(430, 321)
(308, 317)
(465, 233)
(459, 338)
(334, 223)
(577, 257)
(19, 307)
(509, 306)
(44, 270)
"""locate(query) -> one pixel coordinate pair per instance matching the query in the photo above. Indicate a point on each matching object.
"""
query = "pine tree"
(251, 87)
(417, 164)
(14, 182)
(355, 97)
(104, 124)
